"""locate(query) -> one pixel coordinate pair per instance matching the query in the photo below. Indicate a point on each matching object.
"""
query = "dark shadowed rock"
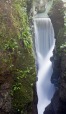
(35, 100)
(57, 106)
(62, 89)
(5, 86)
(56, 69)
(5, 99)
(49, 110)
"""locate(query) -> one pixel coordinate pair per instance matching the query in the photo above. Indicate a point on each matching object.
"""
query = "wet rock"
(62, 89)
(35, 100)
(49, 110)
(56, 70)
(51, 59)
(58, 102)
(36, 78)
(57, 106)
(57, 16)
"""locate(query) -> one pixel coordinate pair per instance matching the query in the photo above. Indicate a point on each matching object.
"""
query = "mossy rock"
(16, 54)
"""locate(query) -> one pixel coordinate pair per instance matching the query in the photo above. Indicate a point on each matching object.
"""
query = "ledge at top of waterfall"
(44, 43)
(44, 38)
(45, 6)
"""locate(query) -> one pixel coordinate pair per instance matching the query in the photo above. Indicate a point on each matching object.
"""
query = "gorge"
(50, 76)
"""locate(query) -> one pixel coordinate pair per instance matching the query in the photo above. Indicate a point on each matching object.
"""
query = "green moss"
(57, 17)
(16, 51)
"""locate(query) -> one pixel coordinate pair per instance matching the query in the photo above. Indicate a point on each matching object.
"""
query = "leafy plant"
(16, 51)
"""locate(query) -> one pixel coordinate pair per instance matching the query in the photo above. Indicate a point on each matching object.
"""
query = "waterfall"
(44, 43)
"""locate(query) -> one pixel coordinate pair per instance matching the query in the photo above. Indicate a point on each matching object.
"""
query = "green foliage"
(57, 16)
(16, 51)
(22, 89)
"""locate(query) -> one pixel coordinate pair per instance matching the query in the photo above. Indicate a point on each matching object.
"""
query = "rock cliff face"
(56, 60)
(57, 16)
(62, 88)
(16, 59)
(57, 106)
(39, 6)
(58, 102)
(35, 100)
(5, 90)
(5, 99)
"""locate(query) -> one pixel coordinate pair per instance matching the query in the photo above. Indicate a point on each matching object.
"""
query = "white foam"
(44, 43)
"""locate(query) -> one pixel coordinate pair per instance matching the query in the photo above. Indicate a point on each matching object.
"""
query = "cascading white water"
(44, 43)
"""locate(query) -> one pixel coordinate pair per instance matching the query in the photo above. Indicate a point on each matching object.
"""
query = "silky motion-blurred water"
(44, 43)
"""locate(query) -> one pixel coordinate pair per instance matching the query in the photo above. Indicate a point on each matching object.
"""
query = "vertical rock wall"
(58, 102)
